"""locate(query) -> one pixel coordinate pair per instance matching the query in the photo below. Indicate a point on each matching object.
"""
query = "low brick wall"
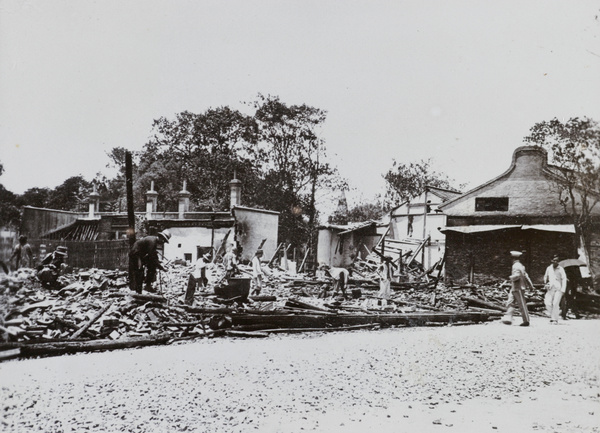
(86, 254)
(487, 256)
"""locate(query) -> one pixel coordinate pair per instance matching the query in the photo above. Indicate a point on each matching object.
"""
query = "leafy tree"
(359, 213)
(71, 195)
(574, 147)
(37, 197)
(113, 197)
(276, 152)
(405, 181)
(203, 149)
(9, 211)
(294, 164)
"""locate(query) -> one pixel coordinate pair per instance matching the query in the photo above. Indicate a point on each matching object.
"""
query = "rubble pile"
(95, 305)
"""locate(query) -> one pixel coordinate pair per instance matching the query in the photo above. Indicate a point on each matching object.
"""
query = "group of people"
(561, 291)
(340, 277)
(145, 263)
(49, 268)
(231, 264)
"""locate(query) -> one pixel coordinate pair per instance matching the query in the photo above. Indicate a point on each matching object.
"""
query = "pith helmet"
(165, 235)
(61, 250)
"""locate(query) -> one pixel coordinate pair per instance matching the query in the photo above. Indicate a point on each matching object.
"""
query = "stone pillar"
(94, 203)
(236, 192)
(151, 201)
(184, 201)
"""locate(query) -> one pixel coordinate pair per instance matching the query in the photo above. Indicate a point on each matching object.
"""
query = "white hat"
(516, 254)
(166, 235)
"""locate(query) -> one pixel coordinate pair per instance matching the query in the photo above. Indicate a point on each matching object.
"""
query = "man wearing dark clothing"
(144, 255)
(49, 270)
(569, 301)
(22, 254)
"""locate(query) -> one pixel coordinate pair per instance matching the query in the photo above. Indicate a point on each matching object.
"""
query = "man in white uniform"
(516, 298)
(556, 285)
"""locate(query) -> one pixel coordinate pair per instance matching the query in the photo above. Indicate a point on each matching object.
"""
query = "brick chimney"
(151, 201)
(184, 201)
(236, 191)
(94, 203)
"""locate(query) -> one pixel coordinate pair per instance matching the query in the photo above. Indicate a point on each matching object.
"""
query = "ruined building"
(93, 235)
(518, 210)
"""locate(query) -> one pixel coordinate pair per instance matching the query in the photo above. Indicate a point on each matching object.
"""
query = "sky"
(458, 81)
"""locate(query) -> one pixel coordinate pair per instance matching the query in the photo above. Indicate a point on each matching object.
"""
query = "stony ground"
(476, 378)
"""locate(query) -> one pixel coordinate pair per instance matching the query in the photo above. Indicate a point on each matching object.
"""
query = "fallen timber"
(75, 317)
(321, 321)
(64, 347)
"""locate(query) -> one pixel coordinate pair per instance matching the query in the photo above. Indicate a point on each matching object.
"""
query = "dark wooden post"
(133, 284)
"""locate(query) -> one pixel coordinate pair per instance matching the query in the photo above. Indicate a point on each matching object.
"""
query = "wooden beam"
(60, 348)
(322, 321)
(89, 323)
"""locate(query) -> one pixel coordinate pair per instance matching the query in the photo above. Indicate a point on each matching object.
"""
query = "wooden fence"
(86, 254)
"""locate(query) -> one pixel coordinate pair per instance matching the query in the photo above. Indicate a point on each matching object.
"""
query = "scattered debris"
(94, 310)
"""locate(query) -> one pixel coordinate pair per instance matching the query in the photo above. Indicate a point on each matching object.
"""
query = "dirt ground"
(475, 378)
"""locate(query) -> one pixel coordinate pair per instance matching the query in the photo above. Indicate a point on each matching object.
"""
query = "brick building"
(518, 210)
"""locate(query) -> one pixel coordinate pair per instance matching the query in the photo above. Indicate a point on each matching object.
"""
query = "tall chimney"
(94, 203)
(184, 201)
(236, 191)
(151, 201)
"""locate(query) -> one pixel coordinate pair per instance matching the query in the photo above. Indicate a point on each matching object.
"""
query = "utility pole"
(424, 226)
(130, 218)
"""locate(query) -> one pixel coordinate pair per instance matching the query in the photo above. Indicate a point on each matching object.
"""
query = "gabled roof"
(78, 230)
(529, 183)
(443, 194)
(349, 228)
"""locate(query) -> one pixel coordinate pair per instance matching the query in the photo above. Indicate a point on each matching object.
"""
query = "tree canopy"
(276, 152)
(573, 147)
(359, 213)
(9, 211)
(295, 164)
(407, 180)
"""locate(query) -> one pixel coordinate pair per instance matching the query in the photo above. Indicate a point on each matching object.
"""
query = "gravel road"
(476, 378)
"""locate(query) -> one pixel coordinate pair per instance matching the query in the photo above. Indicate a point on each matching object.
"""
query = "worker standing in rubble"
(556, 285)
(257, 272)
(385, 277)
(340, 279)
(144, 254)
(569, 300)
(22, 254)
(49, 269)
(197, 278)
(230, 262)
(516, 297)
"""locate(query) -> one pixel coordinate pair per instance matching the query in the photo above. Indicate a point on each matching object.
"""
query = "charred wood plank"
(414, 304)
(305, 306)
(90, 322)
(298, 330)
(209, 310)
(138, 296)
(480, 303)
(11, 353)
(59, 348)
(246, 334)
(263, 298)
(322, 321)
